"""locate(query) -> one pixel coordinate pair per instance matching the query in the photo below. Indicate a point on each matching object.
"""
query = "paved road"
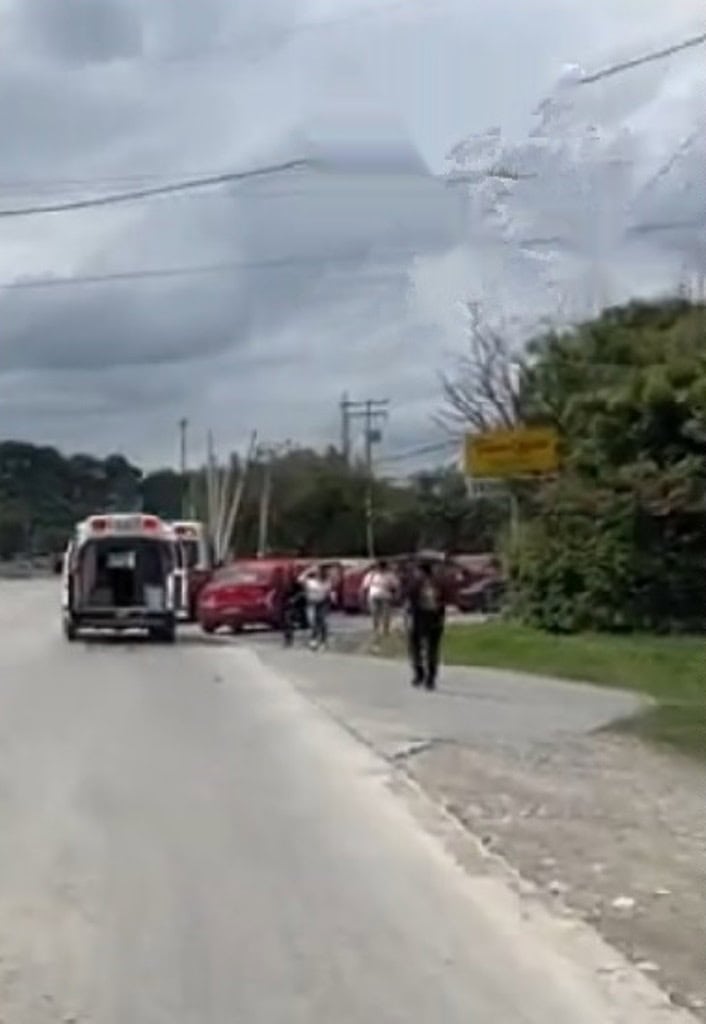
(483, 707)
(187, 839)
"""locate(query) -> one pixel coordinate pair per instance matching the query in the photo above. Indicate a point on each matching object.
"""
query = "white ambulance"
(119, 575)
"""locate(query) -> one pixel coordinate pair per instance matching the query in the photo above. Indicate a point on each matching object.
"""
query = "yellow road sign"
(500, 454)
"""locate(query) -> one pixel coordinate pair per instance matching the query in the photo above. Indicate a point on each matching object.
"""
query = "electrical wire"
(412, 453)
(172, 188)
(668, 225)
(189, 270)
(147, 273)
(53, 184)
(648, 58)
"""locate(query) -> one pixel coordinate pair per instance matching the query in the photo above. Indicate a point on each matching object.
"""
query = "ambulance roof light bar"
(104, 524)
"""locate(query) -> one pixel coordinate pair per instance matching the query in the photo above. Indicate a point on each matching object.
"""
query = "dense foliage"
(619, 540)
(318, 508)
(317, 503)
(42, 494)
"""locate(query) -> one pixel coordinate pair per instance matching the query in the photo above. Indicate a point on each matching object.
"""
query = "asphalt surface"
(187, 837)
(375, 700)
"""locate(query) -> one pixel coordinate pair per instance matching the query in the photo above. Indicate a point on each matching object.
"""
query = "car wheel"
(70, 630)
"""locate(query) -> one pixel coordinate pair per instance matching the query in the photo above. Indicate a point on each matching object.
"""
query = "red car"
(244, 594)
(485, 595)
(351, 586)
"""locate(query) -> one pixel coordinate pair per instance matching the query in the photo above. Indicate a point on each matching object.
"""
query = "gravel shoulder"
(598, 822)
(605, 825)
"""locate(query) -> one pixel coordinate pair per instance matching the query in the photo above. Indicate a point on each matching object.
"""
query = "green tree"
(619, 541)
(162, 493)
(12, 534)
(445, 518)
(317, 505)
(48, 492)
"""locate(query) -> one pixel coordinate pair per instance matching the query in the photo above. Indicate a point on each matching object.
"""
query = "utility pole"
(211, 497)
(345, 428)
(183, 429)
(239, 491)
(268, 454)
(373, 412)
(265, 501)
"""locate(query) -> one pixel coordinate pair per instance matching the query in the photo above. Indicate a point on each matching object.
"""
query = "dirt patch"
(614, 829)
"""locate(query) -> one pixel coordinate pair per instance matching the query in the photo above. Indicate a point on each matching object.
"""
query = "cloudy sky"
(283, 291)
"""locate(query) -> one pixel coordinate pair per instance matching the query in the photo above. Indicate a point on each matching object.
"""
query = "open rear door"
(180, 581)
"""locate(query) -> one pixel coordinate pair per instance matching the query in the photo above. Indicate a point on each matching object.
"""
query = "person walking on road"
(293, 609)
(379, 588)
(318, 594)
(426, 617)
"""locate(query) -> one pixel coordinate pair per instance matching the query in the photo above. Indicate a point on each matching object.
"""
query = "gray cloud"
(344, 276)
(79, 31)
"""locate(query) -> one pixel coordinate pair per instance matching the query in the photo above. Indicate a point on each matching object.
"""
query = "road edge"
(629, 992)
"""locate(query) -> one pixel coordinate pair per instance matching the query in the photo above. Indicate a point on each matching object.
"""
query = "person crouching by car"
(425, 604)
(318, 595)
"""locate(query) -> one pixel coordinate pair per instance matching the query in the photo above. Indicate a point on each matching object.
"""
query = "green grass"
(671, 670)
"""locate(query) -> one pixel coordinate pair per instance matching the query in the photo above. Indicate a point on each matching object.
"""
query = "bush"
(605, 560)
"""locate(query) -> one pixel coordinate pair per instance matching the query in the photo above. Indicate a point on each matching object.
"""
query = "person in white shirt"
(318, 596)
(380, 587)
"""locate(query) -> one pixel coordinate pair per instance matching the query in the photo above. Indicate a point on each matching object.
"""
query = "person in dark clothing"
(426, 617)
(293, 609)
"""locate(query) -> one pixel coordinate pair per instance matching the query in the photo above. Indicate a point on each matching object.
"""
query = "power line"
(305, 187)
(164, 273)
(685, 145)
(134, 178)
(39, 185)
(648, 58)
(152, 273)
(172, 188)
(426, 449)
(669, 225)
